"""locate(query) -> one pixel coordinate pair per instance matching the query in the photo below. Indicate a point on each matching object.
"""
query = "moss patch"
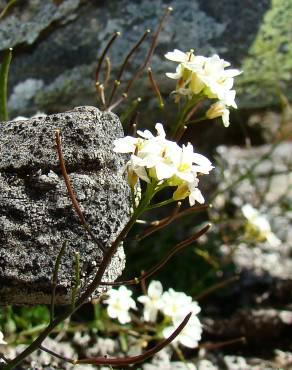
(268, 68)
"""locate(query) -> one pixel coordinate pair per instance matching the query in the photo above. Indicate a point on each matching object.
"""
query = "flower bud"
(215, 110)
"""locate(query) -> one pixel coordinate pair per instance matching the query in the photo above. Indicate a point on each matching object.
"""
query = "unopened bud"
(216, 110)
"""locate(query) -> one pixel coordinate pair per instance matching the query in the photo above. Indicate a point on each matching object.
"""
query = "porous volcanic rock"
(36, 214)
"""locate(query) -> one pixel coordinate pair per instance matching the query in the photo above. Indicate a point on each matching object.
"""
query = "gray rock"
(25, 23)
(36, 215)
(59, 45)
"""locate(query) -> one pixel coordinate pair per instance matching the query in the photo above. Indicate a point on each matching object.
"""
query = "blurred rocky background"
(57, 43)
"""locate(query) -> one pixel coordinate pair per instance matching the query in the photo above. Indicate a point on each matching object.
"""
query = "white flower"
(178, 304)
(218, 109)
(189, 189)
(2, 341)
(119, 303)
(258, 226)
(126, 144)
(195, 194)
(191, 333)
(188, 164)
(151, 301)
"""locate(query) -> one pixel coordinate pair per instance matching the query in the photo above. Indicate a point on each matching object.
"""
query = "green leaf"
(4, 70)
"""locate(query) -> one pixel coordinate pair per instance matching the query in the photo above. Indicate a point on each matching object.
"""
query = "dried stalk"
(155, 88)
(117, 82)
(101, 59)
(180, 246)
(71, 192)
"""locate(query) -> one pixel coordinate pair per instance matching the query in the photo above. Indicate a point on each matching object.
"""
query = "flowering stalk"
(155, 88)
(117, 81)
(150, 51)
(199, 77)
(162, 163)
(71, 191)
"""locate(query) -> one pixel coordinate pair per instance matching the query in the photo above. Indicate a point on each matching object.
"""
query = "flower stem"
(161, 204)
(4, 70)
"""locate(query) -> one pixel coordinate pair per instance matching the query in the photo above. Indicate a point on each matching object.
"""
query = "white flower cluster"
(205, 76)
(258, 226)
(154, 158)
(175, 305)
(172, 304)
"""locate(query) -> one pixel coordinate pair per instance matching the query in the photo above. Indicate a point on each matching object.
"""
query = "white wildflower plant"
(200, 77)
(162, 162)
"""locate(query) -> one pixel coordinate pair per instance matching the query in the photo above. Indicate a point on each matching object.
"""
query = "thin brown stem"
(133, 124)
(155, 88)
(71, 192)
(57, 355)
(178, 215)
(100, 90)
(108, 71)
(211, 346)
(157, 225)
(180, 132)
(104, 263)
(130, 111)
(143, 283)
(217, 286)
(193, 110)
(4, 358)
(101, 59)
(118, 102)
(191, 210)
(6, 8)
(160, 264)
(133, 130)
(117, 82)
(151, 50)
